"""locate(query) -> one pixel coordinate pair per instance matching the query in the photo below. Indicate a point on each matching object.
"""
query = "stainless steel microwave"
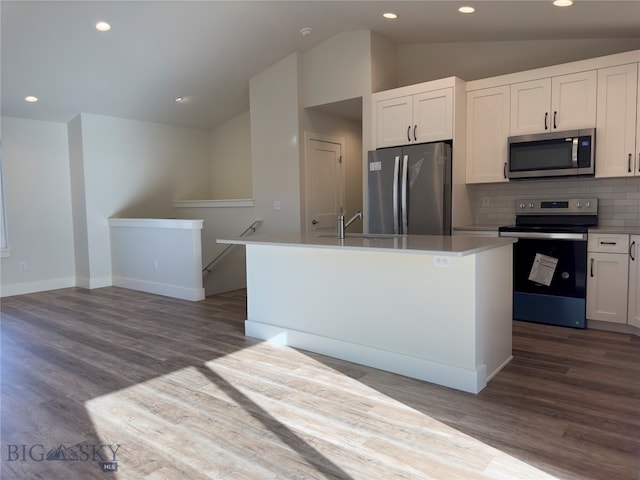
(555, 154)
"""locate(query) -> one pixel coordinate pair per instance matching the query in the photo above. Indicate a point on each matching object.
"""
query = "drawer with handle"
(608, 243)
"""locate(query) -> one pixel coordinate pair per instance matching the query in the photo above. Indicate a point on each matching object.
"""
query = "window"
(4, 248)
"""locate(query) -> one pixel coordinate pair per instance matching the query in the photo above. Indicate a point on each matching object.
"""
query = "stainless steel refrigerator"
(410, 190)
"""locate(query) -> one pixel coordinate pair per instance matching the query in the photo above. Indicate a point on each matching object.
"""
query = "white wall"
(161, 256)
(136, 169)
(275, 143)
(337, 69)
(384, 63)
(421, 62)
(231, 159)
(38, 202)
(78, 202)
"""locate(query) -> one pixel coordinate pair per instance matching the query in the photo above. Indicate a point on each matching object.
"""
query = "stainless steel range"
(550, 259)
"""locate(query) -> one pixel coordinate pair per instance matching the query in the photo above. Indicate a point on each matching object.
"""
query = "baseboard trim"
(33, 287)
(422, 369)
(174, 291)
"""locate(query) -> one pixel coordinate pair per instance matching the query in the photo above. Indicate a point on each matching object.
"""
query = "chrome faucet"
(343, 226)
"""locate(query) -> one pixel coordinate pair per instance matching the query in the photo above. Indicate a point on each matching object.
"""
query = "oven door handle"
(546, 235)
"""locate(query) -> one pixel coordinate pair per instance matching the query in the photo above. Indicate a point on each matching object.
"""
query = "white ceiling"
(207, 51)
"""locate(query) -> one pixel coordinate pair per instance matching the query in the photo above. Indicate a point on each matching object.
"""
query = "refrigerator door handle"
(396, 179)
(405, 216)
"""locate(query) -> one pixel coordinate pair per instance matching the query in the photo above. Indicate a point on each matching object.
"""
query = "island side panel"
(494, 312)
(389, 310)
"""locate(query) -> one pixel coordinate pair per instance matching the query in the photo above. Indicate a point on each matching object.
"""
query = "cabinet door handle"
(504, 170)
(632, 251)
(409, 133)
(608, 243)
(629, 164)
(555, 115)
(414, 133)
(639, 162)
(546, 120)
(592, 267)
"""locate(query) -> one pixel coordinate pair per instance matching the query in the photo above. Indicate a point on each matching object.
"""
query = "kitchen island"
(435, 308)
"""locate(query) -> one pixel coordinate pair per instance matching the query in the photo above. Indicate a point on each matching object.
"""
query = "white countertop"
(478, 227)
(616, 230)
(457, 246)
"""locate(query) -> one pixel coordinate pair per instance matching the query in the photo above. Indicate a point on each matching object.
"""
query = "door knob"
(314, 222)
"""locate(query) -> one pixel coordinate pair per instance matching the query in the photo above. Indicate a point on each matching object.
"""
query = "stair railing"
(251, 228)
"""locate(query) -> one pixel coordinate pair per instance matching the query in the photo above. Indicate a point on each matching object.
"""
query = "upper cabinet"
(487, 132)
(617, 131)
(424, 116)
(563, 102)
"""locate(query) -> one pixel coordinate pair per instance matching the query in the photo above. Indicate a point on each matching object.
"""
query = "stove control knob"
(531, 205)
(522, 205)
(588, 204)
(579, 204)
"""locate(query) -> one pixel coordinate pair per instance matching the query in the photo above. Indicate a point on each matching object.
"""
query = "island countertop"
(456, 246)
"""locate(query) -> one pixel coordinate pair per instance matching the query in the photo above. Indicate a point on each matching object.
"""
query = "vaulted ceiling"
(206, 51)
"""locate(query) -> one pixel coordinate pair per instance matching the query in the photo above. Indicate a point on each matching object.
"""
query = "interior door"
(324, 184)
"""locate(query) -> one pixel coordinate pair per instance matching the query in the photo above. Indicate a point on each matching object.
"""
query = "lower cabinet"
(607, 283)
(613, 278)
(633, 316)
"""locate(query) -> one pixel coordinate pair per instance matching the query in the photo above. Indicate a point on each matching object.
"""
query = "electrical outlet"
(23, 266)
(441, 261)
(485, 201)
(276, 204)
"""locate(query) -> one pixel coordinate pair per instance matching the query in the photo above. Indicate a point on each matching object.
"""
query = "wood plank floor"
(179, 391)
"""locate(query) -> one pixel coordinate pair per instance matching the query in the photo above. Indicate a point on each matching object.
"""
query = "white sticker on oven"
(543, 269)
(375, 166)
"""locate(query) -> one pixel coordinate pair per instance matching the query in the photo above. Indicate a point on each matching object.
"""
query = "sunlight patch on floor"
(247, 414)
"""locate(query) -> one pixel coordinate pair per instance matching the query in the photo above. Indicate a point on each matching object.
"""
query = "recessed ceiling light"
(179, 99)
(103, 26)
(466, 9)
(390, 15)
(305, 31)
(31, 99)
(563, 3)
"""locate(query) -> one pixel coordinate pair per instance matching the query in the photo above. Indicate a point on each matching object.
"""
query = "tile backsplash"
(618, 198)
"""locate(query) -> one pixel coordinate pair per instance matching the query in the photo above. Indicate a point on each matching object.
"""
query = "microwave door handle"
(574, 152)
(396, 179)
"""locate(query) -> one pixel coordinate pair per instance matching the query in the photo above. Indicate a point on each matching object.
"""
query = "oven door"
(549, 279)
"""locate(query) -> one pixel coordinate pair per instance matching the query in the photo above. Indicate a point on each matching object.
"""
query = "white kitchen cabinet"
(633, 316)
(393, 119)
(433, 116)
(607, 277)
(418, 118)
(564, 102)
(487, 133)
(617, 137)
